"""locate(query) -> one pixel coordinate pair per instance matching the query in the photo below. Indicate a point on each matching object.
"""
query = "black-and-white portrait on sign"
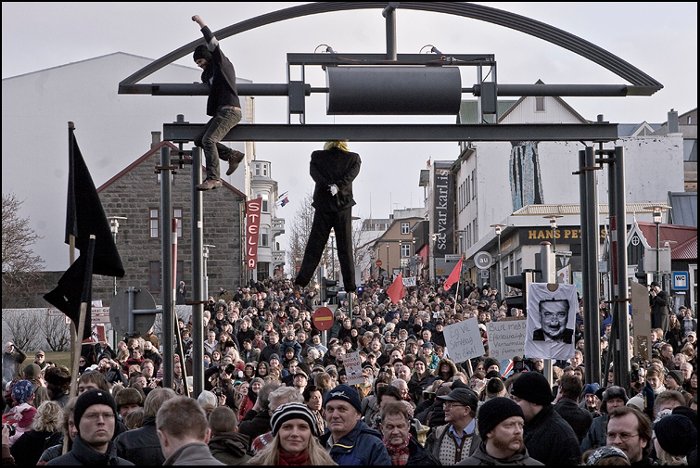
(551, 318)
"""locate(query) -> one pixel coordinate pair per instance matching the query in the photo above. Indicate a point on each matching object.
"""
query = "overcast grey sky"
(658, 38)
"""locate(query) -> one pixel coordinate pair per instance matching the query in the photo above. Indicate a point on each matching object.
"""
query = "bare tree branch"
(23, 327)
(20, 267)
(56, 332)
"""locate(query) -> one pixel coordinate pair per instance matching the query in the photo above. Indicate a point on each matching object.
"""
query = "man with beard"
(500, 423)
(548, 437)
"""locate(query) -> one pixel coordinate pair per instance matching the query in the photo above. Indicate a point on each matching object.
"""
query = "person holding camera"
(12, 357)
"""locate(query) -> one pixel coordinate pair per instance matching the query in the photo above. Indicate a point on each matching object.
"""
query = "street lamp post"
(657, 220)
(498, 228)
(114, 228)
(332, 238)
(205, 256)
(388, 270)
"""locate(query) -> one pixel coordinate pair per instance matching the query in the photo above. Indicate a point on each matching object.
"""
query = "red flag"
(454, 276)
(396, 291)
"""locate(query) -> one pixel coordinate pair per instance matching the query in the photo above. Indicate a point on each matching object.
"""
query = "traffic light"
(521, 282)
(330, 290)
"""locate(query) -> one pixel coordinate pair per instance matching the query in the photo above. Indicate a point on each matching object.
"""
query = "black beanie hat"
(676, 434)
(89, 398)
(202, 52)
(532, 387)
(293, 411)
(494, 411)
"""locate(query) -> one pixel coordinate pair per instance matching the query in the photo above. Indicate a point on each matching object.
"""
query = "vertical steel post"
(199, 294)
(622, 362)
(166, 214)
(591, 237)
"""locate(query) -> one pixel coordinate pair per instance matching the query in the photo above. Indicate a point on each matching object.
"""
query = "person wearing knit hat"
(495, 388)
(351, 440)
(295, 439)
(532, 387)
(675, 436)
(606, 452)
(500, 425)
(95, 417)
(611, 397)
(290, 411)
(223, 105)
(22, 413)
(548, 437)
(128, 400)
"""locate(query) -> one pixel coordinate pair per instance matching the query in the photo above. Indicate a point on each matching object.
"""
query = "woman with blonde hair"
(295, 439)
(45, 431)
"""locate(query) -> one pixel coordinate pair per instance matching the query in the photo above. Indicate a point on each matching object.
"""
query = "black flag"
(85, 216)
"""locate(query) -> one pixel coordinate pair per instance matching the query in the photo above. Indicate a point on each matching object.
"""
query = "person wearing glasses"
(630, 430)
(95, 416)
(458, 439)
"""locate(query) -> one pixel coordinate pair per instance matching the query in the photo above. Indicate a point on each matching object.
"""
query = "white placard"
(409, 282)
(353, 368)
(506, 338)
(464, 340)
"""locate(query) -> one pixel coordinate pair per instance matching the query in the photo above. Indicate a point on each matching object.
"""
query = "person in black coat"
(141, 446)
(658, 301)
(223, 106)
(333, 169)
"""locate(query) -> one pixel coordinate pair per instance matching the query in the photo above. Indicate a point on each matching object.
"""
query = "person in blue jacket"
(350, 441)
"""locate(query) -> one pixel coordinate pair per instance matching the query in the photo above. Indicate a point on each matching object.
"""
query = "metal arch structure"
(641, 83)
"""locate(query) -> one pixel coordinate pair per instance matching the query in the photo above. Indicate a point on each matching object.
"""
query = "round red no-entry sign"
(322, 319)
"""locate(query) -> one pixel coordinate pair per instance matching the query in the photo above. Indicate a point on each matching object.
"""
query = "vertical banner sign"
(252, 228)
(443, 229)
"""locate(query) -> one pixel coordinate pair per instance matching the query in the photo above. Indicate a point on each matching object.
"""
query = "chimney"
(155, 139)
(673, 121)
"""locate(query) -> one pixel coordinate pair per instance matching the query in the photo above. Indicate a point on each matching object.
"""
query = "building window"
(265, 205)
(177, 214)
(473, 184)
(264, 236)
(405, 228)
(539, 103)
(153, 222)
(405, 250)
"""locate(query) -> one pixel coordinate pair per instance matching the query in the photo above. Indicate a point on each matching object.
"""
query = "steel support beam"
(181, 132)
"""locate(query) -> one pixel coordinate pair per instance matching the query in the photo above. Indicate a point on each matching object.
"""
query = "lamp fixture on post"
(657, 217)
(553, 224)
(205, 256)
(114, 228)
(498, 229)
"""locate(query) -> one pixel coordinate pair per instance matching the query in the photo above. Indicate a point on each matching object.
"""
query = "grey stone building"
(134, 193)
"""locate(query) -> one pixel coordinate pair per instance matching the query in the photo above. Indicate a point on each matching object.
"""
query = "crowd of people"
(276, 393)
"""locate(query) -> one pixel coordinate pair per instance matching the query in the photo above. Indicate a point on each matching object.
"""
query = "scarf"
(289, 459)
(399, 453)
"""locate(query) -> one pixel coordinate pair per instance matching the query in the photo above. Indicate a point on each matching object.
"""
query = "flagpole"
(71, 240)
(178, 335)
(85, 297)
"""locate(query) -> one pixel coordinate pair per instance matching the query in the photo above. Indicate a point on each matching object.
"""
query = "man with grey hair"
(141, 446)
(279, 397)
